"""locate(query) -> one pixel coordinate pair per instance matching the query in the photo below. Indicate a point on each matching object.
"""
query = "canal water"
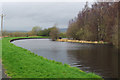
(100, 59)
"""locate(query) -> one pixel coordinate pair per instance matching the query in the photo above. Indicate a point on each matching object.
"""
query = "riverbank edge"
(4, 74)
(11, 40)
(25, 38)
(82, 41)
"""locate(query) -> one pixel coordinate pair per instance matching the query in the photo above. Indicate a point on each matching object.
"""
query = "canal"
(100, 59)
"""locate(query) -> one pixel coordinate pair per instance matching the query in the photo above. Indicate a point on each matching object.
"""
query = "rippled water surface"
(100, 59)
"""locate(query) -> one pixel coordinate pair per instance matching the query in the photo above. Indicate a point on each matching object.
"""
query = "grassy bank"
(0, 48)
(21, 63)
(82, 41)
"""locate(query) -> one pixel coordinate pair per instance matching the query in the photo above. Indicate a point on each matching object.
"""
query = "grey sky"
(24, 16)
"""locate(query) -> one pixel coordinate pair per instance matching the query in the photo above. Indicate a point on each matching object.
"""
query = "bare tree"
(54, 33)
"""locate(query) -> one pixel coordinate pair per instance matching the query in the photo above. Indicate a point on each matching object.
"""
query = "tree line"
(52, 32)
(96, 23)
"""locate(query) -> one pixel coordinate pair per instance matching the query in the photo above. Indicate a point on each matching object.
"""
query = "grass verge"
(21, 63)
(0, 48)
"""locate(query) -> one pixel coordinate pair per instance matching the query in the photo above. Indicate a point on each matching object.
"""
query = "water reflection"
(101, 59)
(98, 59)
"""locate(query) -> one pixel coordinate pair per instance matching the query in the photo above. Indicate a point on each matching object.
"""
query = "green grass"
(21, 63)
(0, 48)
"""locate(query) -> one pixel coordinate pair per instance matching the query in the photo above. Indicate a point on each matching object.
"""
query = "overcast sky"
(24, 16)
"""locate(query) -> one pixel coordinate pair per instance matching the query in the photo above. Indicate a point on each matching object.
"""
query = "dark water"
(100, 59)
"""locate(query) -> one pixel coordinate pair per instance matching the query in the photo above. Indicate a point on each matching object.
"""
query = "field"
(21, 63)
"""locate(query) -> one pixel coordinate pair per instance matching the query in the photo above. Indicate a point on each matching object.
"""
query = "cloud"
(23, 16)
